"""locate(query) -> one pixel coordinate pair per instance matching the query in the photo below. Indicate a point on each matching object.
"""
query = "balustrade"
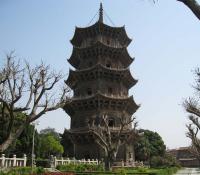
(13, 161)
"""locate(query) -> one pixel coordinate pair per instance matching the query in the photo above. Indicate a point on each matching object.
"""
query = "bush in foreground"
(80, 167)
(148, 171)
(23, 171)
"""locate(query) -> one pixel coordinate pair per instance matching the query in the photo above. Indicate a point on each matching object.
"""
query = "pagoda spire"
(101, 13)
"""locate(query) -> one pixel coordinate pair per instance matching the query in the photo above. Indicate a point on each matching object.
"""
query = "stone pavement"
(189, 171)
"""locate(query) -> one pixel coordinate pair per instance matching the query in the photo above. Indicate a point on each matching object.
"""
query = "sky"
(165, 44)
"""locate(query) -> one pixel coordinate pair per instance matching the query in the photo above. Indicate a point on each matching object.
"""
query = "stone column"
(3, 160)
(55, 161)
(25, 160)
(14, 160)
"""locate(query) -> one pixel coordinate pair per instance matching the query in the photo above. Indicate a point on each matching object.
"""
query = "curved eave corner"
(74, 58)
(134, 106)
(67, 108)
(132, 83)
(70, 79)
(76, 38)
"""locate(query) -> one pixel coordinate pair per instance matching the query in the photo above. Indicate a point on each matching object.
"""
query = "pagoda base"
(85, 147)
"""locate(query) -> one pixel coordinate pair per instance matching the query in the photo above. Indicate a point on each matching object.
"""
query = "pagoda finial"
(101, 13)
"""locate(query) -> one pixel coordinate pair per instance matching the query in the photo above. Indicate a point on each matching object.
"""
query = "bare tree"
(29, 90)
(110, 138)
(192, 106)
(193, 5)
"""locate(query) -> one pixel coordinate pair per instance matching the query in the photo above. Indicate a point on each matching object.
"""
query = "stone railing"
(12, 162)
(65, 161)
(128, 164)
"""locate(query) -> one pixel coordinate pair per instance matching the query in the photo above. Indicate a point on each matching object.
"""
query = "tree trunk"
(193, 6)
(107, 164)
(11, 138)
(109, 160)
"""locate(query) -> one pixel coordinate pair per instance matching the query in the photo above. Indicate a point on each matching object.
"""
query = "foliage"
(148, 171)
(96, 169)
(149, 145)
(23, 144)
(24, 171)
(5, 122)
(50, 144)
(163, 161)
(45, 163)
(50, 131)
(80, 167)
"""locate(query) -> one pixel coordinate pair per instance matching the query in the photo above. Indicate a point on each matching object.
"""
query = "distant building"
(185, 157)
(100, 82)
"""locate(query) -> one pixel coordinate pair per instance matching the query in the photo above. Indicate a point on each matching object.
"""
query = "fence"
(66, 161)
(12, 162)
(128, 164)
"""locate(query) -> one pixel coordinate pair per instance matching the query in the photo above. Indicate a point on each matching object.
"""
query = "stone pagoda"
(100, 82)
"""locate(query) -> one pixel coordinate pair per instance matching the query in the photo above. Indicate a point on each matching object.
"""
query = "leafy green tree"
(50, 143)
(23, 144)
(166, 160)
(52, 132)
(149, 145)
(50, 146)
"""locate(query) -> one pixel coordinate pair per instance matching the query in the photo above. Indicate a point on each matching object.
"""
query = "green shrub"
(23, 171)
(80, 167)
(43, 163)
(165, 161)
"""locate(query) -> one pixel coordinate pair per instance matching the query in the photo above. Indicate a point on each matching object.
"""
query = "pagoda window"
(108, 64)
(110, 90)
(89, 91)
(90, 64)
(78, 63)
(91, 42)
(77, 94)
(108, 42)
(111, 123)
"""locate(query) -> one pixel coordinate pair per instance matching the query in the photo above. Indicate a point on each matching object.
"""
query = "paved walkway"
(189, 171)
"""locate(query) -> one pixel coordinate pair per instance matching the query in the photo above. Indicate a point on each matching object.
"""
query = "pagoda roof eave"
(77, 51)
(80, 31)
(72, 80)
(128, 102)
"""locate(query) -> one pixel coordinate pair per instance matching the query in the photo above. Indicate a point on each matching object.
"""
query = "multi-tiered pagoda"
(100, 82)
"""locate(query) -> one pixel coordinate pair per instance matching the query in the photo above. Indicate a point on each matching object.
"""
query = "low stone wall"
(6, 162)
(65, 161)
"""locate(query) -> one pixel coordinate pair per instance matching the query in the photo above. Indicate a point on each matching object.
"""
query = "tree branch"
(193, 5)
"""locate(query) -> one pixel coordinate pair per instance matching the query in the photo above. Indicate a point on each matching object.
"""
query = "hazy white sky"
(166, 38)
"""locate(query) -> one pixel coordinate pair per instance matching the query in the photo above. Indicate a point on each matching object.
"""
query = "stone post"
(25, 160)
(14, 160)
(51, 161)
(55, 161)
(3, 160)
(62, 161)
(122, 163)
(68, 161)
